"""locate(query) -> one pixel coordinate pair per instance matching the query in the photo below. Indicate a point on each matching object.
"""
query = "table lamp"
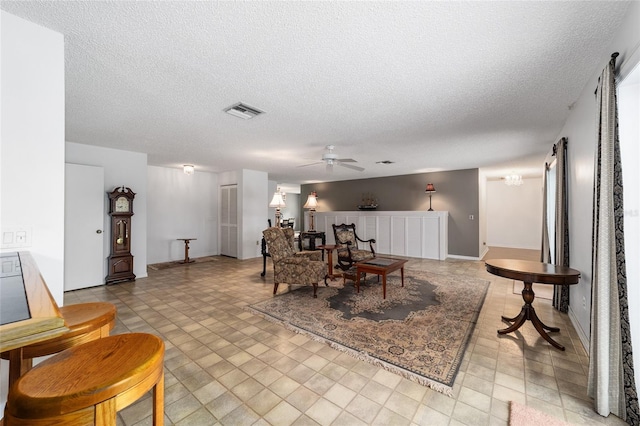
(311, 204)
(277, 201)
(430, 190)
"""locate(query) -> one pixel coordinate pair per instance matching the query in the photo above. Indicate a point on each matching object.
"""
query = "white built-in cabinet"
(401, 233)
(229, 220)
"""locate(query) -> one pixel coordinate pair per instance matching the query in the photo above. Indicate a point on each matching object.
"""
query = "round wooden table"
(532, 272)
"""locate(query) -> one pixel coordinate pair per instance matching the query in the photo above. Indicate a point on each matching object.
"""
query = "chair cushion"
(299, 270)
(360, 255)
(345, 236)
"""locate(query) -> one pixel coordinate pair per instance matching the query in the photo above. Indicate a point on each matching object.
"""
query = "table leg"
(402, 276)
(357, 281)
(384, 285)
(330, 260)
(186, 252)
(529, 313)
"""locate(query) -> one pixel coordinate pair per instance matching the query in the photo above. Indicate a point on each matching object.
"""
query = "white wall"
(181, 206)
(580, 129)
(32, 147)
(482, 214)
(254, 205)
(629, 116)
(514, 214)
(120, 168)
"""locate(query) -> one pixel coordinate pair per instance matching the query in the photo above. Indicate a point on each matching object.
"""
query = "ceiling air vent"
(243, 111)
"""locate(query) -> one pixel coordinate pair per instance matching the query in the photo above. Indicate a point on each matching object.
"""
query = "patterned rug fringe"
(363, 356)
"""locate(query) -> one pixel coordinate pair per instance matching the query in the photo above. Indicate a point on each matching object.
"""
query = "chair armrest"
(311, 255)
(295, 260)
(371, 242)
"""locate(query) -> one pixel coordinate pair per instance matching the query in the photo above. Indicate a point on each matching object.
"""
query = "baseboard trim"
(456, 256)
(584, 339)
(484, 252)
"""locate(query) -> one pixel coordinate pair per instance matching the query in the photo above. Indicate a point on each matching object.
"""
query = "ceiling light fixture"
(188, 169)
(243, 111)
(513, 180)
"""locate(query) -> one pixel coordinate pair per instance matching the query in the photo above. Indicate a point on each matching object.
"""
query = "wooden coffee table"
(380, 266)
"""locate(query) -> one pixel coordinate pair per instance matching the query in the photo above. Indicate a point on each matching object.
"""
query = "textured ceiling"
(428, 85)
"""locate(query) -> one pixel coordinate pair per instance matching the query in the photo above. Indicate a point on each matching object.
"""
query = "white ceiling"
(428, 85)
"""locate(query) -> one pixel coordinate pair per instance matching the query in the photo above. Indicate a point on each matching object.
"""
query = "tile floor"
(227, 366)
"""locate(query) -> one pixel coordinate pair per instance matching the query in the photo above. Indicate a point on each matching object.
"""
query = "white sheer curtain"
(611, 380)
(555, 223)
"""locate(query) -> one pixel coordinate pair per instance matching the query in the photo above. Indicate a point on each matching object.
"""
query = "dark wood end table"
(311, 237)
(380, 266)
(532, 272)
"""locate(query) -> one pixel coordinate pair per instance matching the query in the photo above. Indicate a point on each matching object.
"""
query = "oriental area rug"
(420, 331)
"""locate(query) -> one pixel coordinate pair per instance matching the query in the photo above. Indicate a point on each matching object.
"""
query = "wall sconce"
(311, 204)
(430, 190)
(278, 202)
(188, 169)
(513, 180)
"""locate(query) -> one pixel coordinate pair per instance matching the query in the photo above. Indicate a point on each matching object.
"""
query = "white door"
(229, 220)
(83, 226)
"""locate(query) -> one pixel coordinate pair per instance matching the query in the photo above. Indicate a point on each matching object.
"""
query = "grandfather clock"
(120, 261)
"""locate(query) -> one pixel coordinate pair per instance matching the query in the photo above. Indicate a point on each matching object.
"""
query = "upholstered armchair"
(351, 248)
(293, 267)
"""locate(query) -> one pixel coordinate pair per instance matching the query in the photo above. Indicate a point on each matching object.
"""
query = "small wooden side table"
(186, 249)
(532, 272)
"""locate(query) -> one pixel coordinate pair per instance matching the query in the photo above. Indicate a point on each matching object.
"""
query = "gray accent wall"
(457, 193)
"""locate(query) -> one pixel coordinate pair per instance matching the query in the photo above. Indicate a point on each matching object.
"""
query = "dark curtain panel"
(561, 292)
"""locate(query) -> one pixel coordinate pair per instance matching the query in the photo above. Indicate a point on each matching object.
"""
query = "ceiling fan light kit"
(331, 159)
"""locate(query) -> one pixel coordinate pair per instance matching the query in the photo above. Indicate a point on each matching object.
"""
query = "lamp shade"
(430, 188)
(312, 201)
(277, 200)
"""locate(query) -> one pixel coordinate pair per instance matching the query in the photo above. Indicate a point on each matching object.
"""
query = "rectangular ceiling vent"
(243, 111)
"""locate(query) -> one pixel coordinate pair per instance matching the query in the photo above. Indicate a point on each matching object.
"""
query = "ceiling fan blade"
(349, 166)
(311, 164)
(346, 160)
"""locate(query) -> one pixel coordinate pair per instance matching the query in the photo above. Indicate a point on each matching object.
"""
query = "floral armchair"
(293, 267)
(351, 248)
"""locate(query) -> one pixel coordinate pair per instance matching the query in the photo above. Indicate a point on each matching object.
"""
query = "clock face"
(122, 204)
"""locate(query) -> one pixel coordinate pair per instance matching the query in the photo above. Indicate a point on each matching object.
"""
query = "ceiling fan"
(331, 159)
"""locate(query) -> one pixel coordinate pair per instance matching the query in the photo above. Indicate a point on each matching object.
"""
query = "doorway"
(83, 226)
